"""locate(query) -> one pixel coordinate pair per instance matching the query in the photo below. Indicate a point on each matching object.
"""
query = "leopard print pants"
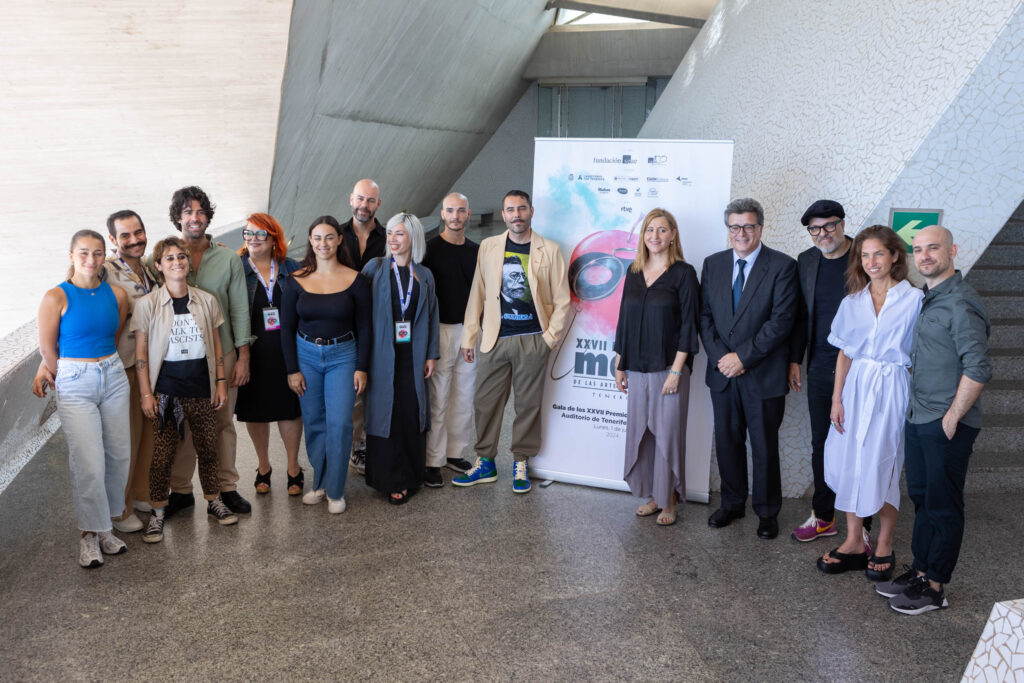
(202, 422)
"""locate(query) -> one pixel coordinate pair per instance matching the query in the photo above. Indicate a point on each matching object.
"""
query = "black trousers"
(936, 471)
(737, 414)
(820, 382)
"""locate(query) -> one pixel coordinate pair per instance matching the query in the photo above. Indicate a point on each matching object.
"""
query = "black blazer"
(759, 330)
(807, 273)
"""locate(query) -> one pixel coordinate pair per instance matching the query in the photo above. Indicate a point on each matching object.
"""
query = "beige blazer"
(549, 287)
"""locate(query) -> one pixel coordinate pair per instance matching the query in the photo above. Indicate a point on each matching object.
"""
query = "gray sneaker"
(89, 552)
(919, 598)
(890, 589)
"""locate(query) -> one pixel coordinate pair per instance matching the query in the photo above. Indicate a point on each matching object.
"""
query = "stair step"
(1000, 433)
(989, 460)
(1006, 336)
(997, 480)
(1013, 231)
(1001, 254)
(1009, 367)
(1000, 306)
(1005, 401)
(997, 279)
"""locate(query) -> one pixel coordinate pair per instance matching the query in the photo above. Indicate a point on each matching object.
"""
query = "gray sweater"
(380, 391)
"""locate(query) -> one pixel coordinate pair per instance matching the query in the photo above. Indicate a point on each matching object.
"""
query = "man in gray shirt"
(950, 368)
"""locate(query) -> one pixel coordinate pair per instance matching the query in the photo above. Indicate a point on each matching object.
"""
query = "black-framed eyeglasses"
(259, 235)
(748, 228)
(829, 227)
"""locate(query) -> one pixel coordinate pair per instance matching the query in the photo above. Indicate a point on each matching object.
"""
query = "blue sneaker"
(520, 478)
(483, 472)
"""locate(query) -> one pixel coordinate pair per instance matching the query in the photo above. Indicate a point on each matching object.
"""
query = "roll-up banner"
(591, 196)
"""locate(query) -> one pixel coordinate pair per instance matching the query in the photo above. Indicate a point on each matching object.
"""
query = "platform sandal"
(296, 483)
(263, 481)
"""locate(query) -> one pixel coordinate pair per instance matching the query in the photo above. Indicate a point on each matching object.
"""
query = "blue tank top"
(89, 324)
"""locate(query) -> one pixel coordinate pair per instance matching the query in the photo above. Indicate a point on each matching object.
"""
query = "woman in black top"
(325, 325)
(655, 341)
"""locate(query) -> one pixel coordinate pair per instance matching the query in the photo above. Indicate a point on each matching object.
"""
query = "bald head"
(455, 215)
(934, 252)
(365, 201)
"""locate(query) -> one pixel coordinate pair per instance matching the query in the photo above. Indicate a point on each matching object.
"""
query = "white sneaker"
(89, 552)
(111, 544)
(314, 497)
(336, 507)
(129, 524)
(142, 506)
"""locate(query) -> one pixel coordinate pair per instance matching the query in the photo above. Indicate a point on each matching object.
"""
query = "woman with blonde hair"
(655, 342)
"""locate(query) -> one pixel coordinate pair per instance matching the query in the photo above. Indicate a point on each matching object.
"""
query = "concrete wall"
(117, 104)
(570, 52)
(917, 103)
(405, 93)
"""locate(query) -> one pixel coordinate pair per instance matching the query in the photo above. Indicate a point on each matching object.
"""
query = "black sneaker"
(460, 465)
(433, 478)
(155, 528)
(235, 502)
(220, 511)
(900, 584)
(919, 598)
(178, 502)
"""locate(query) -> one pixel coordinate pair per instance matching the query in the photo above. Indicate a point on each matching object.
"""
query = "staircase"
(997, 464)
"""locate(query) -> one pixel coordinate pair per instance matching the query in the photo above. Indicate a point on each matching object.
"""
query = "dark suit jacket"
(807, 274)
(759, 330)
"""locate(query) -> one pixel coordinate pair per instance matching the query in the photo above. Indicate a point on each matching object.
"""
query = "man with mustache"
(951, 366)
(518, 321)
(452, 260)
(126, 270)
(821, 273)
(364, 238)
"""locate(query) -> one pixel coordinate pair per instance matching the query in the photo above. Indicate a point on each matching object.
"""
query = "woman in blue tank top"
(79, 323)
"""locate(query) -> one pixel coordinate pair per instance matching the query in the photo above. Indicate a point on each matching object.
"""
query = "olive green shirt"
(950, 341)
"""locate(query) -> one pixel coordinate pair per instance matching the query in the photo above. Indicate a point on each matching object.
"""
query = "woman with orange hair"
(267, 398)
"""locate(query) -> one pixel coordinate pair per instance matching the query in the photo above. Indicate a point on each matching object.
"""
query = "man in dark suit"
(748, 304)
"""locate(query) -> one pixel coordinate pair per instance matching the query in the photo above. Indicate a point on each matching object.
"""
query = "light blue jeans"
(92, 402)
(327, 410)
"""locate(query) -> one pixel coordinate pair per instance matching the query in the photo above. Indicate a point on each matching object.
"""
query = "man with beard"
(364, 239)
(219, 271)
(452, 259)
(518, 306)
(951, 366)
(821, 272)
(127, 270)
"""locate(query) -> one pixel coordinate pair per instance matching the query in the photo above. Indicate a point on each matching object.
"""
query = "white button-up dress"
(863, 464)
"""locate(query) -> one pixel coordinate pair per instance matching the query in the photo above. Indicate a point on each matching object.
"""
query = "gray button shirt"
(950, 340)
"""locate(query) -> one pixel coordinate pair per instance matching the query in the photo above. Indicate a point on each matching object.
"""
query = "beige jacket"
(548, 286)
(154, 313)
(124, 277)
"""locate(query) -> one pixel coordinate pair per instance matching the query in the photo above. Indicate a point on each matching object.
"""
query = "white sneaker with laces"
(314, 497)
(111, 544)
(129, 524)
(336, 507)
(89, 551)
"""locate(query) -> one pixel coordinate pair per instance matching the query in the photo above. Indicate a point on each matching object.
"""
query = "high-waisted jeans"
(327, 410)
(92, 401)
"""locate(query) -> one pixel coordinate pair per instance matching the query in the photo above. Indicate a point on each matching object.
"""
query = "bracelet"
(675, 372)
(221, 379)
(147, 396)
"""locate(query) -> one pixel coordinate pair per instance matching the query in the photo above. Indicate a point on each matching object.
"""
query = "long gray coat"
(380, 391)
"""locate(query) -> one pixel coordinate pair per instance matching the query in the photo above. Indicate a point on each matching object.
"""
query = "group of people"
(379, 346)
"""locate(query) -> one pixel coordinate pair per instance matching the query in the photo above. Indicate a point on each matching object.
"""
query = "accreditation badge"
(403, 332)
(271, 319)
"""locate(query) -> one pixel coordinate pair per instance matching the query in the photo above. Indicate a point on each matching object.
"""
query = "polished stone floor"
(478, 584)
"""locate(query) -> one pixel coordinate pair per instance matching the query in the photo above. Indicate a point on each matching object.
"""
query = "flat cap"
(823, 208)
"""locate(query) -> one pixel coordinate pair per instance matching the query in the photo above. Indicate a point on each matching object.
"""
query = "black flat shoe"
(768, 528)
(847, 562)
(880, 574)
(723, 518)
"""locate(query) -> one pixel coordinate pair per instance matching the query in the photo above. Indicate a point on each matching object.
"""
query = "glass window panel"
(590, 112)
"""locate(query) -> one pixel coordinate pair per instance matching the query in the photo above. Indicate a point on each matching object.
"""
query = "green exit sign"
(907, 222)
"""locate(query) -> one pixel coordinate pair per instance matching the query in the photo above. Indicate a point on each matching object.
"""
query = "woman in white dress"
(873, 330)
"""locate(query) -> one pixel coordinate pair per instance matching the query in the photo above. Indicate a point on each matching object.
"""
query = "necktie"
(737, 286)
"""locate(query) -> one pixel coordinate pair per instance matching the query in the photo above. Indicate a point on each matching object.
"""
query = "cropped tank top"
(89, 324)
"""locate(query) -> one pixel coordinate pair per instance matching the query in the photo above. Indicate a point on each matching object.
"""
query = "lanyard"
(269, 289)
(403, 301)
(143, 278)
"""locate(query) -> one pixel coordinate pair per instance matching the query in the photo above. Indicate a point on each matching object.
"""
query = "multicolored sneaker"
(869, 547)
(919, 598)
(520, 477)
(483, 472)
(899, 585)
(814, 528)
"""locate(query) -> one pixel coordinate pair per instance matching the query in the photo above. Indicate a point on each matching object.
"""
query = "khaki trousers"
(451, 400)
(185, 457)
(142, 447)
(518, 363)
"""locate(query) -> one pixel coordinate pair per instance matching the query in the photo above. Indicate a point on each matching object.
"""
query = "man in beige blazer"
(517, 310)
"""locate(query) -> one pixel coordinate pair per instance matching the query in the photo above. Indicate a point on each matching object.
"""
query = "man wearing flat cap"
(821, 271)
